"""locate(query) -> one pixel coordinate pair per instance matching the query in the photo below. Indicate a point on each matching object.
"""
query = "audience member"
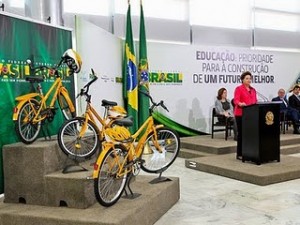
(244, 94)
(224, 107)
(288, 111)
(294, 100)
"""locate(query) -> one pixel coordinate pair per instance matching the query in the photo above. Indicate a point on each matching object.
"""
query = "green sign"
(21, 40)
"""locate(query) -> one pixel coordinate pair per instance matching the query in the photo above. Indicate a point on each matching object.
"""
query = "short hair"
(220, 92)
(245, 74)
(294, 87)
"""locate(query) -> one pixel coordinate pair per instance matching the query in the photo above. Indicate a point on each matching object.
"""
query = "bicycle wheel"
(108, 185)
(73, 145)
(65, 107)
(154, 160)
(26, 130)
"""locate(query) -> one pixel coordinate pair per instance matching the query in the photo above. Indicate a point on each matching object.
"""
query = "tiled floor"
(212, 199)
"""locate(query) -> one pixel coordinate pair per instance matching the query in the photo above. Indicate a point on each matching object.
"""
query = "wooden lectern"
(261, 132)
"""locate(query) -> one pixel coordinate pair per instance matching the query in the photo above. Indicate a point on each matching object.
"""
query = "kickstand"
(160, 179)
(129, 195)
(74, 167)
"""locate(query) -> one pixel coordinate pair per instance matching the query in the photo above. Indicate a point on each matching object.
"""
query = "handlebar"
(92, 81)
(154, 104)
(84, 91)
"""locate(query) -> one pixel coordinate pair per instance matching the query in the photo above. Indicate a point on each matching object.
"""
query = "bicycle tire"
(27, 131)
(71, 145)
(108, 187)
(65, 107)
(155, 161)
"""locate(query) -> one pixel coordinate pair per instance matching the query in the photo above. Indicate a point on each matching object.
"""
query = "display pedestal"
(33, 175)
(261, 132)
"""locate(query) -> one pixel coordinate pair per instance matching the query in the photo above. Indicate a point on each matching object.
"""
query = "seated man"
(294, 100)
(290, 112)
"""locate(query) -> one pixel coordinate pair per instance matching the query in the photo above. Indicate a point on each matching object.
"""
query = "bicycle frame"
(133, 151)
(150, 127)
(59, 89)
(92, 115)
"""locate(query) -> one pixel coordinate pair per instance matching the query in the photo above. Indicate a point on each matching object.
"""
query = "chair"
(285, 122)
(220, 123)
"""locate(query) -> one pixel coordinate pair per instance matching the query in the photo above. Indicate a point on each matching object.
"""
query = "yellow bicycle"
(32, 109)
(123, 155)
(80, 137)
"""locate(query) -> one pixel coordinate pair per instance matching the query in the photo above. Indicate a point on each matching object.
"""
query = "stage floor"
(217, 156)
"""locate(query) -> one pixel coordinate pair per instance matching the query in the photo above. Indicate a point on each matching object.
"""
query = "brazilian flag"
(130, 81)
(143, 73)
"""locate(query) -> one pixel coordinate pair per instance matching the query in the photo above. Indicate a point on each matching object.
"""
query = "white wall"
(221, 36)
(101, 51)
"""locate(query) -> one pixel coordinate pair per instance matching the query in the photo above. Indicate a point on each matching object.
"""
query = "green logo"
(16, 70)
(165, 78)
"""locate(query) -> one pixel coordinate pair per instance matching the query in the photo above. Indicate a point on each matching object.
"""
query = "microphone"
(260, 95)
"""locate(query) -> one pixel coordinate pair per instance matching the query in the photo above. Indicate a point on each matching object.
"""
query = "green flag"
(143, 73)
(130, 86)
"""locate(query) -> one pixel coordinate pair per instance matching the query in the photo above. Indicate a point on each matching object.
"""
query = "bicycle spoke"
(160, 152)
(73, 144)
(110, 182)
(27, 131)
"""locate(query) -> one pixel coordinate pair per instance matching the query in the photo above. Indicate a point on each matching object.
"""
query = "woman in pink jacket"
(244, 95)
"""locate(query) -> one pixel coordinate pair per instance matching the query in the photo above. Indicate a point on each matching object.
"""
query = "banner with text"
(20, 40)
(188, 77)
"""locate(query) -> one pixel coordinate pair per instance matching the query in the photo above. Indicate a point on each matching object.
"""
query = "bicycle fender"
(159, 126)
(22, 100)
(63, 91)
(106, 148)
(26, 97)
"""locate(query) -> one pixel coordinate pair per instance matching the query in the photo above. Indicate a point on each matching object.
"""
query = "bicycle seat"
(35, 79)
(108, 103)
(126, 122)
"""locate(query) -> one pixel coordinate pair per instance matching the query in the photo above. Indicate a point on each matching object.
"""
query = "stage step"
(33, 175)
(190, 153)
(289, 139)
(74, 190)
(198, 146)
(268, 173)
(36, 175)
(206, 144)
(25, 167)
(154, 201)
(290, 149)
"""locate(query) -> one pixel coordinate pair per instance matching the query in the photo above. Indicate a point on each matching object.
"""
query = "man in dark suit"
(291, 113)
(294, 100)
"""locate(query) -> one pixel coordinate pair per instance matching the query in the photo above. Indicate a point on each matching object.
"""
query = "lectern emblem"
(269, 118)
